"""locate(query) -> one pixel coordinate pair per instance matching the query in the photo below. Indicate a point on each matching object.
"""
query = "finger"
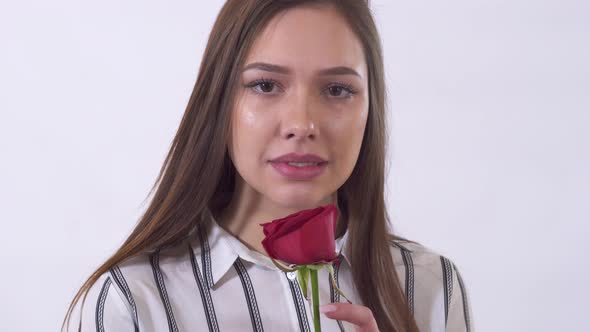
(358, 315)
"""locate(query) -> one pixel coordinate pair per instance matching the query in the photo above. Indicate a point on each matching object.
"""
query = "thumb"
(358, 315)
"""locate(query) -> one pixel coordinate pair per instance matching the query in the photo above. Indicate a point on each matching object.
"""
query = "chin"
(299, 201)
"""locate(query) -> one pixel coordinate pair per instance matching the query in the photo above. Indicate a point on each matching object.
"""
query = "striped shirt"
(213, 282)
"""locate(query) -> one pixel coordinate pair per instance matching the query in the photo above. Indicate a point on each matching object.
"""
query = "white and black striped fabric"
(213, 282)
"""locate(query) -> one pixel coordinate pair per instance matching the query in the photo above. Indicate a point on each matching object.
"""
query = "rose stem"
(315, 300)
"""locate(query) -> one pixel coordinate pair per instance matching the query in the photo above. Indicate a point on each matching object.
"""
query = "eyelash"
(347, 87)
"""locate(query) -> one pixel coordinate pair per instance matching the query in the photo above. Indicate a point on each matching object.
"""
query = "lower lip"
(299, 173)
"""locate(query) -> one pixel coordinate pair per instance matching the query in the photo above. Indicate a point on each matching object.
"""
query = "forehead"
(308, 39)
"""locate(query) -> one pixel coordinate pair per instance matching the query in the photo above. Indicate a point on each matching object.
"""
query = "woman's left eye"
(341, 90)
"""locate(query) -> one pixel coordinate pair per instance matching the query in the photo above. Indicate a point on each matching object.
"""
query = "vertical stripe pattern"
(220, 284)
(299, 304)
(409, 266)
(100, 305)
(448, 284)
(250, 296)
(205, 293)
(206, 258)
(159, 279)
(120, 281)
(465, 301)
(334, 295)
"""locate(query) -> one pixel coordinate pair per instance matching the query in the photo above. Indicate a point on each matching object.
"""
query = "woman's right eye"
(262, 86)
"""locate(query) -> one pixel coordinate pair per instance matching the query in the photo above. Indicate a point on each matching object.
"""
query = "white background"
(490, 148)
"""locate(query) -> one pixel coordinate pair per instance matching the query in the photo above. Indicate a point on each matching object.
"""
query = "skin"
(301, 111)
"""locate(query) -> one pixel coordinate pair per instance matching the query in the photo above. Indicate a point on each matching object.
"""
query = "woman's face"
(303, 89)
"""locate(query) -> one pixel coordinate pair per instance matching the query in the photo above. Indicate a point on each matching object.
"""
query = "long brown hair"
(198, 175)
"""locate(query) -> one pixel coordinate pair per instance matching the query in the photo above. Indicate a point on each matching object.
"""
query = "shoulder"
(433, 284)
(128, 291)
(138, 276)
(413, 253)
(422, 267)
(104, 306)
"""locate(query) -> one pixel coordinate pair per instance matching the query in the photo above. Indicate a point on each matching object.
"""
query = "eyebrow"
(340, 70)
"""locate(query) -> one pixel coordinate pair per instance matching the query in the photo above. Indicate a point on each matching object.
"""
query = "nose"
(299, 121)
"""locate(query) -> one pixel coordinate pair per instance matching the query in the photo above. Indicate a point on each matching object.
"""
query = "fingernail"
(327, 308)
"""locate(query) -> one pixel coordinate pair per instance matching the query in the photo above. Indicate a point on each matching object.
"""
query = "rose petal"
(305, 237)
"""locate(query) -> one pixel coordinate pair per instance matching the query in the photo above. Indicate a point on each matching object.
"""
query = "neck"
(247, 210)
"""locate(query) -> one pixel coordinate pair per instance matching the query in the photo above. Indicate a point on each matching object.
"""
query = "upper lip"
(301, 158)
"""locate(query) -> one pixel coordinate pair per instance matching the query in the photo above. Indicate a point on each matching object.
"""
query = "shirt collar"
(220, 249)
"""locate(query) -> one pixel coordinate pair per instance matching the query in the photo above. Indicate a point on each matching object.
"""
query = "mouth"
(299, 164)
(299, 170)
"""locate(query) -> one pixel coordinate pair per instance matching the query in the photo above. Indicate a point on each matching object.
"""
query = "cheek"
(347, 137)
(246, 115)
(250, 132)
(347, 128)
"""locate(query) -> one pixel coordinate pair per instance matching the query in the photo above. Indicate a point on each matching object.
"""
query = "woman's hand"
(358, 315)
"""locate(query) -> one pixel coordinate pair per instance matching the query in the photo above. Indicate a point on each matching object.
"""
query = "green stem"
(315, 300)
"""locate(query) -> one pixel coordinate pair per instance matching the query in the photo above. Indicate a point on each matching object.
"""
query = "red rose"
(302, 238)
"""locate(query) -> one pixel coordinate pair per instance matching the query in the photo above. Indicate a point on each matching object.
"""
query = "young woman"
(287, 113)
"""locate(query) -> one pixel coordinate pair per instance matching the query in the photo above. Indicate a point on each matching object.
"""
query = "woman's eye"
(262, 86)
(341, 91)
(337, 91)
(266, 86)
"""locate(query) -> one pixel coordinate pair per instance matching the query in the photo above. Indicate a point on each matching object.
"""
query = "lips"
(299, 158)
(298, 173)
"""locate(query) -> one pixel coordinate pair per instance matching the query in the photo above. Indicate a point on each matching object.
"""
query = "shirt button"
(291, 275)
